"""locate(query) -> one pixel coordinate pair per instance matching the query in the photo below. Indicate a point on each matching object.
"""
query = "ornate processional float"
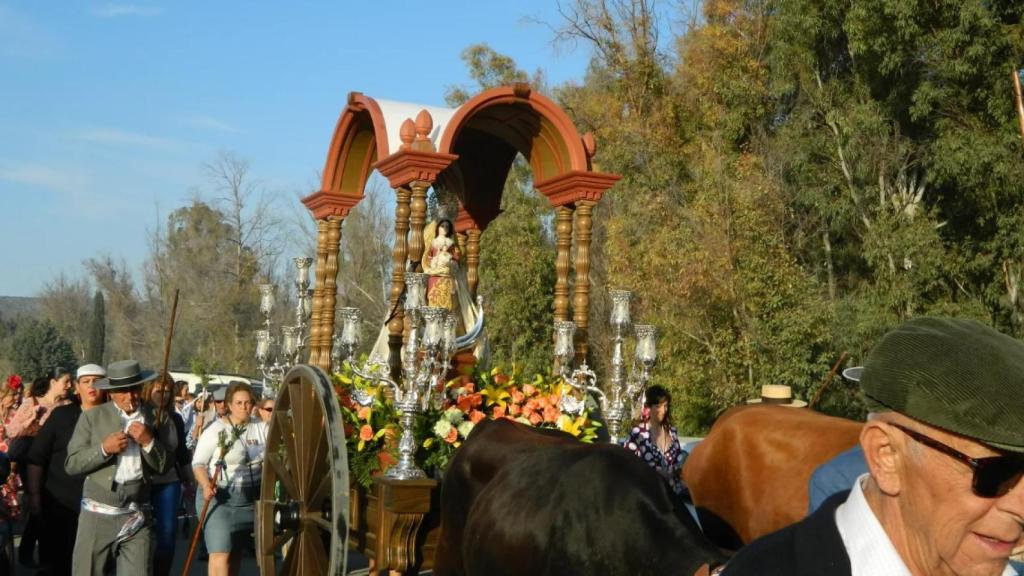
(310, 510)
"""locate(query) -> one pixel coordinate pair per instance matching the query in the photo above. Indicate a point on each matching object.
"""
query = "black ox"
(518, 500)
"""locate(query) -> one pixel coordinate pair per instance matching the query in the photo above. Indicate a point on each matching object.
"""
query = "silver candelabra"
(623, 395)
(425, 361)
(273, 364)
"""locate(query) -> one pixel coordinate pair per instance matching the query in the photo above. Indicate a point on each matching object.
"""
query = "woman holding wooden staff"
(228, 463)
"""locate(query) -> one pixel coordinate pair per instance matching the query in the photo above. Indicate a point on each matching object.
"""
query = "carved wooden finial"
(522, 90)
(424, 124)
(407, 133)
(589, 144)
(351, 101)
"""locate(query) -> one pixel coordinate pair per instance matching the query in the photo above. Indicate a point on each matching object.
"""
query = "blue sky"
(109, 109)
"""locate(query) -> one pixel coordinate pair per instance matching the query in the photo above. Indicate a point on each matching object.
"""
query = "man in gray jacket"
(115, 448)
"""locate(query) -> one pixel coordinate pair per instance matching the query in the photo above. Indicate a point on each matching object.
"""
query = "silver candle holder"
(275, 356)
(426, 357)
(623, 395)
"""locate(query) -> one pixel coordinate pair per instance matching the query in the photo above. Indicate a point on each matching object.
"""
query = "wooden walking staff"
(164, 375)
(828, 379)
(206, 508)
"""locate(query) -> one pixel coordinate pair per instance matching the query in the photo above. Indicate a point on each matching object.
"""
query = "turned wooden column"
(410, 170)
(581, 292)
(417, 219)
(329, 209)
(472, 259)
(319, 279)
(399, 256)
(563, 246)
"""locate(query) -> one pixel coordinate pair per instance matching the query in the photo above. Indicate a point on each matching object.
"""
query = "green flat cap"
(958, 375)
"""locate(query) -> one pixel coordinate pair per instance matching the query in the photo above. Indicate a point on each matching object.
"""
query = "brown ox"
(751, 471)
(521, 501)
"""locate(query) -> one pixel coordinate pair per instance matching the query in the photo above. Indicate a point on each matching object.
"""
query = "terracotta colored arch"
(360, 138)
(486, 133)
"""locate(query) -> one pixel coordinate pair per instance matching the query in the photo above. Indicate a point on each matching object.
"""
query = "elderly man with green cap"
(944, 445)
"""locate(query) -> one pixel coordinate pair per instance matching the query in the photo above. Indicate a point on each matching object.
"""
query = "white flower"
(442, 428)
(465, 427)
(454, 415)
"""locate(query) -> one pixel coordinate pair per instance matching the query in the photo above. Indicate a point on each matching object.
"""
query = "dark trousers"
(58, 527)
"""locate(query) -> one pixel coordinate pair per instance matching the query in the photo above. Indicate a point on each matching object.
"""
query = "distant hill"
(14, 306)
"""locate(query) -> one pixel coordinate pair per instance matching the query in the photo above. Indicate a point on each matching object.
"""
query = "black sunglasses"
(993, 476)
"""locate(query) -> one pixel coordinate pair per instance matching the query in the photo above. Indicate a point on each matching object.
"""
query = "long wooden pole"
(202, 519)
(164, 376)
(828, 379)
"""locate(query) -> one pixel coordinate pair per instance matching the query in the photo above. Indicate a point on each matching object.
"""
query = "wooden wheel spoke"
(281, 539)
(315, 555)
(284, 476)
(316, 519)
(321, 492)
(290, 565)
(285, 427)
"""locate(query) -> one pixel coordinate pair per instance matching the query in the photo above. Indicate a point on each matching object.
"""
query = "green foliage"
(37, 348)
(97, 330)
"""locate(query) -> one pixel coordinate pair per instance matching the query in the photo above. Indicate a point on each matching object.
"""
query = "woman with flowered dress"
(656, 441)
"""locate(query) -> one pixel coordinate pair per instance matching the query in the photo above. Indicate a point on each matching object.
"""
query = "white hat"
(90, 370)
(778, 394)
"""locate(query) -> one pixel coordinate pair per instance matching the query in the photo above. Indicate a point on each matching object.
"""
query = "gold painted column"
(581, 296)
(315, 330)
(398, 260)
(473, 259)
(330, 293)
(563, 246)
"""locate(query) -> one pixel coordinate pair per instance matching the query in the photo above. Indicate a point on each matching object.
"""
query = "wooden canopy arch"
(469, 151)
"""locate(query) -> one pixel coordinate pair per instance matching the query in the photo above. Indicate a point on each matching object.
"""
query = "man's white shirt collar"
(868, 546)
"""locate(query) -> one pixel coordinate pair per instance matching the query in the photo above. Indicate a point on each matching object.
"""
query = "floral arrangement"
(372, 432)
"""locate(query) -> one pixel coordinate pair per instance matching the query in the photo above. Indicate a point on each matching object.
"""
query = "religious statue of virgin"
(440, 261)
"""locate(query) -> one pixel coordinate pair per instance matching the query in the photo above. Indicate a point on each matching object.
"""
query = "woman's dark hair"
(656, 395)
(449, 228)
(60, 372)
(40, 386)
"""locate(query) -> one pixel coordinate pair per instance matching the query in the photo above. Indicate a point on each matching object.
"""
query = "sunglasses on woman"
(993, 476)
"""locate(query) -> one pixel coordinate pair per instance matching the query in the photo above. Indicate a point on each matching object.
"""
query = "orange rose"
(476, 416)
(529, 389)
(452, 436)
(536, 418)
(470, 387)
(501, 379)
(517, 396)
(551, 413)
(364, 413)
(366, 433)
(386, 459)
(498, 412)
(514, 409)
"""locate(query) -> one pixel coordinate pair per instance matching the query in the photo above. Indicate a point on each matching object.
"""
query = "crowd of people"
(103, 466)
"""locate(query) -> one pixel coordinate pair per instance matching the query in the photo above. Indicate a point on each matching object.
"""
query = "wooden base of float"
(396, 524)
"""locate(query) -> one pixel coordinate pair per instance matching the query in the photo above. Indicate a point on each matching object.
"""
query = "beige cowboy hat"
(779, 395)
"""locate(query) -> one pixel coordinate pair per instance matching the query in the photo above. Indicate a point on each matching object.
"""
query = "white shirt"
(870, 550)
(129, 461)
(243, 462)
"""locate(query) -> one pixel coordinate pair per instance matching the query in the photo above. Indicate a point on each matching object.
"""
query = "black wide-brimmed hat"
(124, 374)
(958, 375)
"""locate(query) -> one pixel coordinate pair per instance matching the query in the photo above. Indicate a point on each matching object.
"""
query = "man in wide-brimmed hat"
(944, 445)
(115, 448)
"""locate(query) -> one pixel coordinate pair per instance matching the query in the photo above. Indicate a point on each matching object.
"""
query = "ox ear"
(704, 570)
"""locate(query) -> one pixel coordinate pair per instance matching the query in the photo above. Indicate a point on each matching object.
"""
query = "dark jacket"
(50, 449)
(811, 547)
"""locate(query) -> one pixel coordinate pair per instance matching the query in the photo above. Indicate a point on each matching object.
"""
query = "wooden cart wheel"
(302, 515)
